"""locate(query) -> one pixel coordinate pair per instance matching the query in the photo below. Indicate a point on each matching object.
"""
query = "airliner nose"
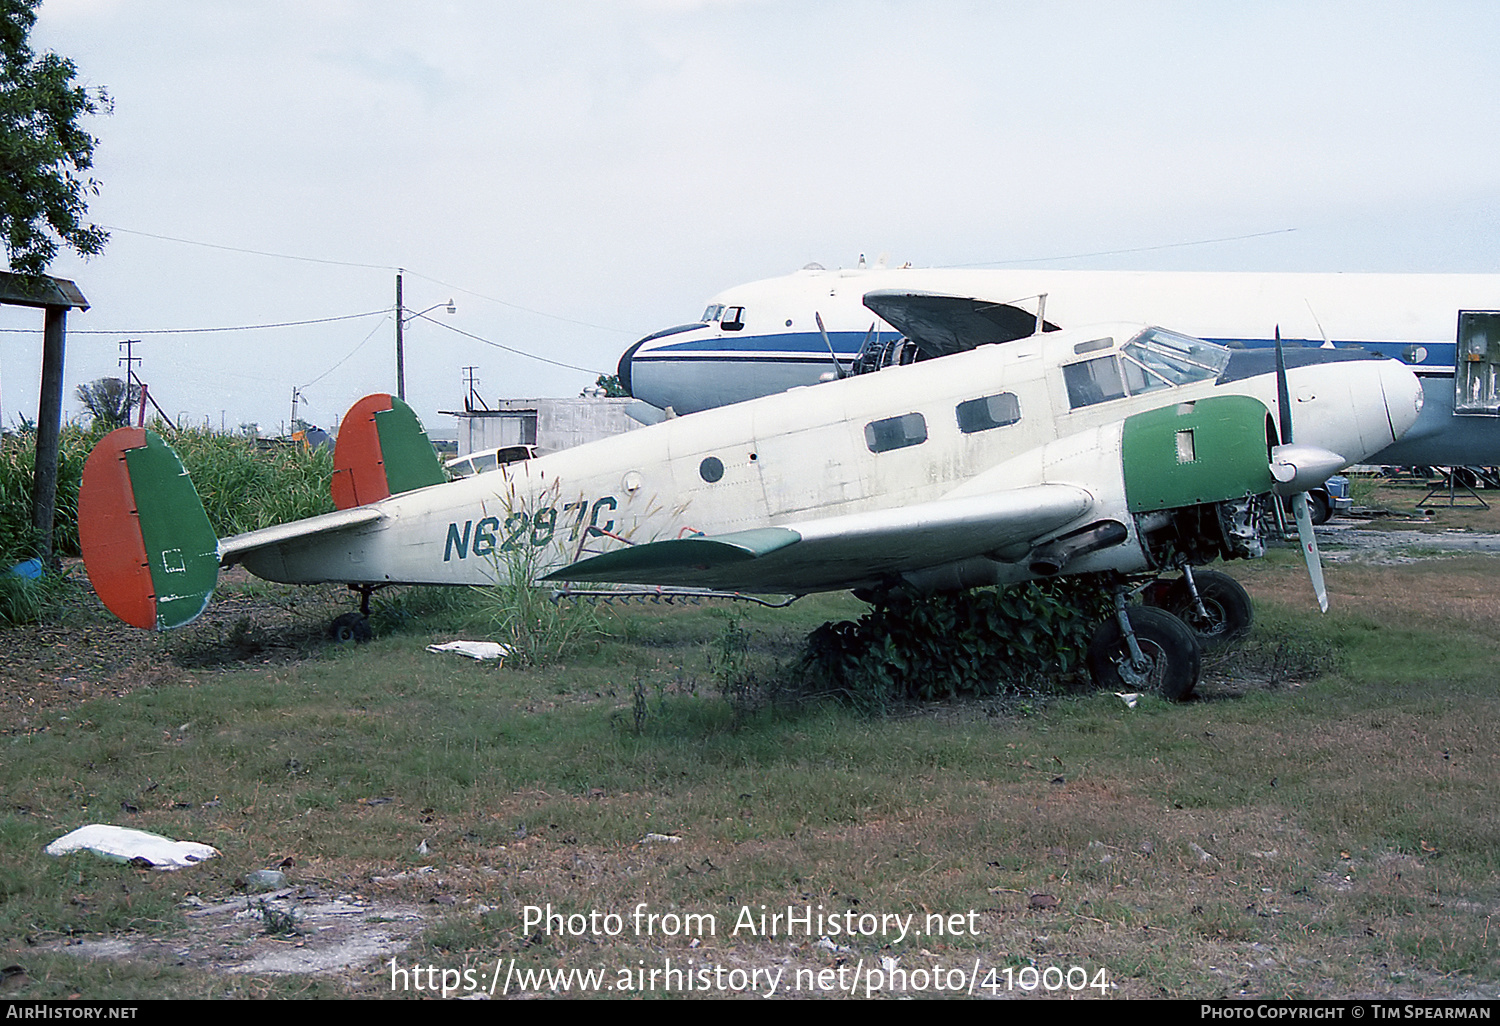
(1403, 396)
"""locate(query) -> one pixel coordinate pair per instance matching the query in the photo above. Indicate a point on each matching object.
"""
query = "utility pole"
(128, 361)
(471, 384)
(400, 353)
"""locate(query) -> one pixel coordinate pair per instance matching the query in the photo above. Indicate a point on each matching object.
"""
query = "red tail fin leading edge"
(381, 451)
(149, 549)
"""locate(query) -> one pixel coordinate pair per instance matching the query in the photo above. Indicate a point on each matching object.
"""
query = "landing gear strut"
(1142, 648)
(1215, 606)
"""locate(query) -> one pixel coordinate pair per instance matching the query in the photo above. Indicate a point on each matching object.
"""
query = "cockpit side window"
(1138, 379)
(733, 319)
(1093, 381)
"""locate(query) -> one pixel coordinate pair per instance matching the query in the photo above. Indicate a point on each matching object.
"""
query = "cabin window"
(1093, 381)
(896, 432)
(734, 318)
(991, 411)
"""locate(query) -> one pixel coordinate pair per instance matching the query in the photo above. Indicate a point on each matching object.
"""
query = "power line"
(197, 331)
(356, 349)
(377, 267)
(252, 252)
(515, 306)
(509, 349)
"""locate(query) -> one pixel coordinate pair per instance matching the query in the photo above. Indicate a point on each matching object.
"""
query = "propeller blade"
(1283, 394)
(838, 368)
(1307, 462)
(1309, 545)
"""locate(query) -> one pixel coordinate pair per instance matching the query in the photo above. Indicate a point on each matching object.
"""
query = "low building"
(548, 424)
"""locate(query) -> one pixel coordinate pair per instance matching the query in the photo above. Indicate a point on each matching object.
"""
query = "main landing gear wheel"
(1319, 507)
(1224, 600)
(1170, 655)
(350, 627)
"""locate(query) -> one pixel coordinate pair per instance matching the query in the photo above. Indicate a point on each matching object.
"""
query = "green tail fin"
(150, 553)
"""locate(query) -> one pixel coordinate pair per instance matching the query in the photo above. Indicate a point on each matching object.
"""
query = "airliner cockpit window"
(1177, 358)
(733, 319)
(713, 312)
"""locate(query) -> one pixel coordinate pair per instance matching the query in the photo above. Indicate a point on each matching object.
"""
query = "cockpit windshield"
(1178, 358)
(714, 312)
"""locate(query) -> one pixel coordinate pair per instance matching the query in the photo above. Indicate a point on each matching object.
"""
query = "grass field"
(1321, 823)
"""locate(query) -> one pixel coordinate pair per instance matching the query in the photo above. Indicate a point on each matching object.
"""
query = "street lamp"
(402, 317)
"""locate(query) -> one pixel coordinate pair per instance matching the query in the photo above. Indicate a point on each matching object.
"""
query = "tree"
(109, 400)
(612, 386)
(44, 155)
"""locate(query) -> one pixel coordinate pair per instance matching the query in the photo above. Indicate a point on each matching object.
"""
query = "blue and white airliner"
(817, 324)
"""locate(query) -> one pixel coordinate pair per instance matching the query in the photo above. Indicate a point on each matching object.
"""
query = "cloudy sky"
(575, 175)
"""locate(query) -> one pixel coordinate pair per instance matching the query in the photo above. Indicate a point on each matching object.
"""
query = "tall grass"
(18, 538)
(243, 485)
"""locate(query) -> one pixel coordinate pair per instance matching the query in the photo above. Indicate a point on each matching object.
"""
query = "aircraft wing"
(845, 551)
(941, 325)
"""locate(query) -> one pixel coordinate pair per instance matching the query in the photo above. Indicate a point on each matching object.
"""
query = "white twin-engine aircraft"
(1121, 450)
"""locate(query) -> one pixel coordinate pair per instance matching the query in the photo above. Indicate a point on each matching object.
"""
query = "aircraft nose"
(1403, 396)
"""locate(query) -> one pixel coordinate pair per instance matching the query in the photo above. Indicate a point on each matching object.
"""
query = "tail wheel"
(350, 627)
(1171, 657)
(1230, 612)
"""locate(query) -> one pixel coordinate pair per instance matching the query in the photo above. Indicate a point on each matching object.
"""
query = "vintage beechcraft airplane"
(1120, 450)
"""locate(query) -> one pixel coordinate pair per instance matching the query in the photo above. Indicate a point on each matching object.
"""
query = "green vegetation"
(942, 646)
(48, 155)
(243, 485)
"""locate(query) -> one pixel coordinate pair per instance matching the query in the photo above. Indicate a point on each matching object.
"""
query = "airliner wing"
(941, 325)
(845, 551)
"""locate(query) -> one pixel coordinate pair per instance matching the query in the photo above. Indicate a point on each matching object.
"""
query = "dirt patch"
(295, 930)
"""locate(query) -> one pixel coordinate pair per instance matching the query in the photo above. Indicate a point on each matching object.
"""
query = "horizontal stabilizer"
(234, 550)
(147, 543)
(842, 551)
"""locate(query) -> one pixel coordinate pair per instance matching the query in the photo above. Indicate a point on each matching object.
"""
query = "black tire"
(1230, 612)
(1171, 650)
(351, 627)
(1319, 507)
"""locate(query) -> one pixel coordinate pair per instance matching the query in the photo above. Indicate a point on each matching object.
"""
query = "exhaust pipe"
(1049, 559)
